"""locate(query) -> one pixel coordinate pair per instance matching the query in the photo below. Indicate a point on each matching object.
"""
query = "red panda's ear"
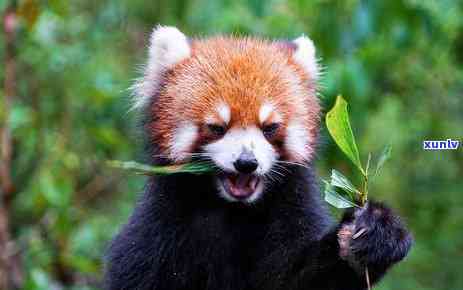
(304, 55)
(168, 46)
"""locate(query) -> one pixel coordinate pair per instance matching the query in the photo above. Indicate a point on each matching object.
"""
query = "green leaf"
(193, 167)
(339, 180)
(367, 167)
(335, 198)
(385, 155)
(196, 167)
(337, 122)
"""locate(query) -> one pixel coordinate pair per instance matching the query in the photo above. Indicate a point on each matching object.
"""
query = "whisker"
(195, 154)
(293, 163)
(276, 172)
(160, 155)
(275, 177)
(271, 177)
(283, 168)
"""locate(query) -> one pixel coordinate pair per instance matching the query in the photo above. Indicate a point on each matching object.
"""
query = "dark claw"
(359, 233)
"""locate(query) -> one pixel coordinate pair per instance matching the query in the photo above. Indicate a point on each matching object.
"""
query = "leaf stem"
(367, 277)
(364, 198)
(364, 193)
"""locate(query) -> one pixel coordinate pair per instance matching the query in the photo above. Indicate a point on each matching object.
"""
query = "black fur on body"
(183, 236)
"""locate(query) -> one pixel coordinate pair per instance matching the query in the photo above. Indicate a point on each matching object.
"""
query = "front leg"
(373, 239)
(370, 238)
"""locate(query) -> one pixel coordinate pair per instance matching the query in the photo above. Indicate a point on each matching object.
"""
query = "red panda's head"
(247, 104)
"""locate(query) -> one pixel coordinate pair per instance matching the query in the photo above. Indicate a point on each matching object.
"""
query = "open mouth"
(240, 186)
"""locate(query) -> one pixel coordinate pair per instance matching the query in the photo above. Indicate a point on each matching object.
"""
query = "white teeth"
(254, 182)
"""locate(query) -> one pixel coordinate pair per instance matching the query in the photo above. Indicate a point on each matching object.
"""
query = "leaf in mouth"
(139, 168)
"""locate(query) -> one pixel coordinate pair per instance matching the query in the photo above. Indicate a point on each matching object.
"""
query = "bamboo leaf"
(339, 180)
(335, 198)
(337, 122)
(195, 168)
(367, 167)
(385, 155)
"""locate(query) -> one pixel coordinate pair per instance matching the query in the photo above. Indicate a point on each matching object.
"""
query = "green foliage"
(192, 167)
(338, 125)
(383, 157)
(400, 63)
(339, 180)
(337, 122)
(336, 198)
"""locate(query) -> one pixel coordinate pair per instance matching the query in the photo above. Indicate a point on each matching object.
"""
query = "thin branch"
(367, 277)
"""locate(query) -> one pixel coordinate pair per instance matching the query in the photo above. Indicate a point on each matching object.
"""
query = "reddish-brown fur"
(243, 73)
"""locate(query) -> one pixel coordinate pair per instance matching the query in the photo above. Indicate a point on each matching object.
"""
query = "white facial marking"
(168, 46)
(297, 139)
(257, 194)
(265, 111)
(224, 112)
(305, 55)
(225, 151)
(184, 136)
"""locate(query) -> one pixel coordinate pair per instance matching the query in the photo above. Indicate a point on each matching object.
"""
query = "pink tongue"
(243, 186)
(243, 181)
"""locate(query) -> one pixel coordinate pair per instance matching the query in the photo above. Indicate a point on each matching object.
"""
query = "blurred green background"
(64, 99)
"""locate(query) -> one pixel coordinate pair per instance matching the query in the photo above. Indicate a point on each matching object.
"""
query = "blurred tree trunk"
(10, 274)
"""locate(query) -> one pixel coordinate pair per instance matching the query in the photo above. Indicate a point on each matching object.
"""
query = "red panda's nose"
(246, 163)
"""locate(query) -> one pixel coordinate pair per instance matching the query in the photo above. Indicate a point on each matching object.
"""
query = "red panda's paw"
(373, 236)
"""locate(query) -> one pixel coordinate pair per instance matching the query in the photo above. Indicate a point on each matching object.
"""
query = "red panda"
(258, 94)
(248, 106)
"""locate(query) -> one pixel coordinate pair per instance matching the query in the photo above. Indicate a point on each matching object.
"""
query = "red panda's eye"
(270, 130)
(217, 130)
